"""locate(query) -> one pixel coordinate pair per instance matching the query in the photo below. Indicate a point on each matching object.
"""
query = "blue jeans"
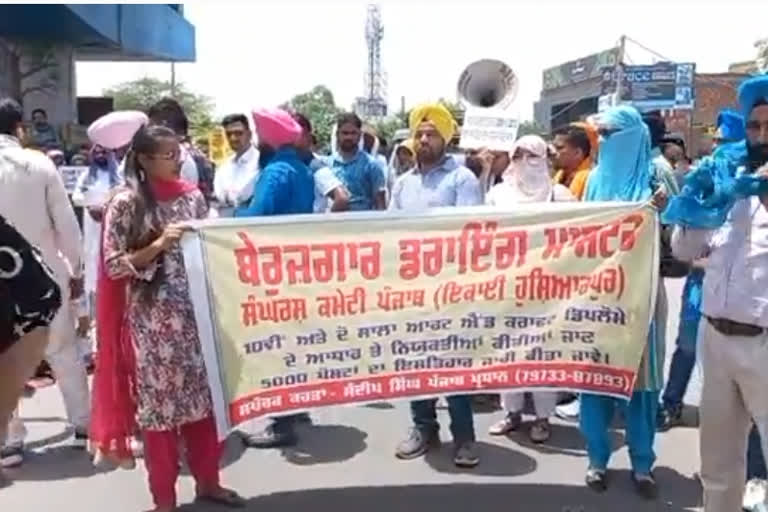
(424, 417)
(684, 358)
(640, 415)
(755, 459)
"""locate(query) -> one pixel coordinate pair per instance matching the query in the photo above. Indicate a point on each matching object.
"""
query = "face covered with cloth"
(623, 169)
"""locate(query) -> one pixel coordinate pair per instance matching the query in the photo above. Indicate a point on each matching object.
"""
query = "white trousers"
(544, 402)
(733, 394)
(64, 355)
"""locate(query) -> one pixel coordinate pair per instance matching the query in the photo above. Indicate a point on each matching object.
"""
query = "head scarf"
(276, 127)
(529, 180)
(437, 114)
(394, 161)
(623, 172)
(751, 91)
(730, 126)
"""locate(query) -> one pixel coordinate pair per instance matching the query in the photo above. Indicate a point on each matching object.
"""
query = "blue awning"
(133, 31)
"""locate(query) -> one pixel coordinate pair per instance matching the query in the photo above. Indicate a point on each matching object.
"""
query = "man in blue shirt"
(358, 171)
(285, 186)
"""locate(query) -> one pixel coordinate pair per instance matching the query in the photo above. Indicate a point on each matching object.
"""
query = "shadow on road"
(55, 463)
(496, 461)
(678, 493)
(566, 440)
(324, 444)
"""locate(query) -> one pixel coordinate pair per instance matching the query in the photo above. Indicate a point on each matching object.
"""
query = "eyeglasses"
(756, 126)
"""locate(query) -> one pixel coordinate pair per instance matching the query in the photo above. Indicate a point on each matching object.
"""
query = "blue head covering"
(623, 171)
(714, 187)
(751, 91)
(730, 125)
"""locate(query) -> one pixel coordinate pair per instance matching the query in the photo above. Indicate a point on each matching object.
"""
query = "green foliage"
(142, 93)
(320, 108)
(388, 126)
(531, 128)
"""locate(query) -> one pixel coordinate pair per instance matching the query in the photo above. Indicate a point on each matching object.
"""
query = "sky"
(263, 52)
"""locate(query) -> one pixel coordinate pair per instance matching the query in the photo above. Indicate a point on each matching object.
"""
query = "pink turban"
(276, 127)
(116, 129)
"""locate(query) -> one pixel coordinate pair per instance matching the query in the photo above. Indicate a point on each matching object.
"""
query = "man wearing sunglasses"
(733, 334)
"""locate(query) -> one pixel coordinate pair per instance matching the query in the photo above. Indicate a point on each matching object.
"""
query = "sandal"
(224, 497)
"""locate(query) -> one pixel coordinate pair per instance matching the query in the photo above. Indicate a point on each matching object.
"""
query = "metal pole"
(620, 68)
(173, 79)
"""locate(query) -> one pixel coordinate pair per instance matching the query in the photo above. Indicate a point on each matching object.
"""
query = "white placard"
(489, 128)
(69, 174)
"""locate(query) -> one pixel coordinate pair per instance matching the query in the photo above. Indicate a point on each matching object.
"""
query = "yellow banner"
(305, 311)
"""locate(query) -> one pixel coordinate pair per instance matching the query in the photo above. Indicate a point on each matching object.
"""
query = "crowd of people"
(122, 278)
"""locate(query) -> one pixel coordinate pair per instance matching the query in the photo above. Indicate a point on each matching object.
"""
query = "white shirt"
(95, 195)
(234, 180)
(736, 280)
(325, 183)
(34, 200)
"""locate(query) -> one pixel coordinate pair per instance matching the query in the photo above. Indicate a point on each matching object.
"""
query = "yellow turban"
(436, 114)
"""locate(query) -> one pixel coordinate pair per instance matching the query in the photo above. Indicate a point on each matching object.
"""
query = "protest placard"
(298, 312)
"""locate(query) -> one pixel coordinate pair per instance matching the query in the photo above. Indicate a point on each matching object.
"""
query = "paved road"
(344, 463)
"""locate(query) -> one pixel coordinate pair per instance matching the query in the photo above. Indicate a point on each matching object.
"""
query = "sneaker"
(540, 431)
(596, 480)
(754, 494)
(569, 411)
(271, 437)
(669, 417)
(80, 441)
(645, 485)
(417, 444)
(12, 456)
(465, 455)
(510, 423)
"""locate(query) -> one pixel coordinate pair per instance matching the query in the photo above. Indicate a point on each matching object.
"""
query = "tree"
(320, 108)
(531, 128)
(28, 67)
(143, 93)
(388, 126)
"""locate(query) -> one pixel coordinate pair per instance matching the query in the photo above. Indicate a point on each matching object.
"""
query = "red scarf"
(113, 398)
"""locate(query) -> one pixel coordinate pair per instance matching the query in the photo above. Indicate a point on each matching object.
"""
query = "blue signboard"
(665, 85)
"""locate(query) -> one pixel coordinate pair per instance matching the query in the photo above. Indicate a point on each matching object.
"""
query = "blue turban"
(730, 126)
(713, 188)
(751, 91)
(623, 171)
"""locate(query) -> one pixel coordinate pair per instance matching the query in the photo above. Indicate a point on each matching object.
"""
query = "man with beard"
(437, 181)
(360, 174)
(734, 328)
(285, 186)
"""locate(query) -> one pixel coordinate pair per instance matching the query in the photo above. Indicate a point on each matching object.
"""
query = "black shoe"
(669, 417)
(596, 480)
(81, 440)
(271, 438)
(645, 485)
(417, 444)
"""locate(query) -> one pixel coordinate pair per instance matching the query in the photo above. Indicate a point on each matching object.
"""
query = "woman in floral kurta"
(140, 248)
